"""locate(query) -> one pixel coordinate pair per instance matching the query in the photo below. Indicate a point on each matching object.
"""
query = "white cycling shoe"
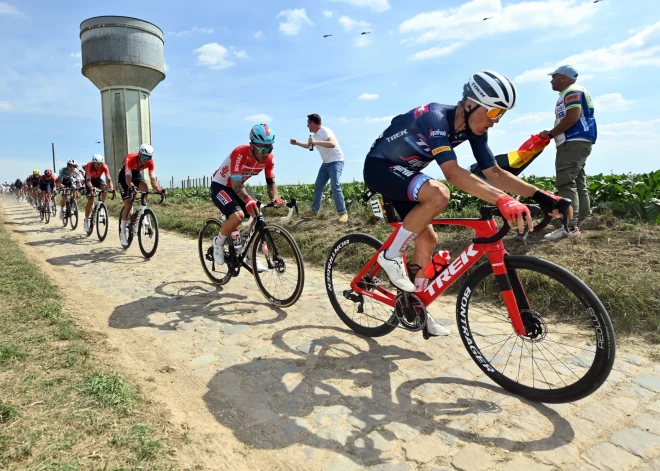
(61, 215)
(260, 266)
(435, 329)
(123, 238)
(396, 272)
(218, 252)
(86, 225)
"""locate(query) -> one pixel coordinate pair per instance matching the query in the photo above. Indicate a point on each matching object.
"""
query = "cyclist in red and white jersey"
(228, 186)
(94, 170)
(130, 179)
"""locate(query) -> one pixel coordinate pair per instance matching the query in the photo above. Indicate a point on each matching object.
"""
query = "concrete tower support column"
(124, 58)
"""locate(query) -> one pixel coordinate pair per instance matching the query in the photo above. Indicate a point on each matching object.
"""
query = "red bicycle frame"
(483, 228)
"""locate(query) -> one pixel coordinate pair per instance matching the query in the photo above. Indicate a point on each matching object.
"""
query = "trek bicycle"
(532, 326)
(266, 244)
(99, 215)
(142, 223)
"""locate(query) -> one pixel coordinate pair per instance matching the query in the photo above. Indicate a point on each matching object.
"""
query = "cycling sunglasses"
(145, 157)
(263, 150)
(494, 113)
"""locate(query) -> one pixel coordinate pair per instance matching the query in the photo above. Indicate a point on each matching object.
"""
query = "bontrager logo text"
(467, 335)
(328, 277)
(468, 255)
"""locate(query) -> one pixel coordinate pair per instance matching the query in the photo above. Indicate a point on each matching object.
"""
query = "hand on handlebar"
(550, 203)
(278, 202)
(515, 213)
(251, 208)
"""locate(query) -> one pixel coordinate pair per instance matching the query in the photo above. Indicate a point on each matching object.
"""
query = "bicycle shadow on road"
(184, 301)
(42, 228)
(336, 392)
(64, 240)
(94, 256)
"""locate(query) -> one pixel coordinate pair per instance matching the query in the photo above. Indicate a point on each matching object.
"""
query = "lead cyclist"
(430, 132)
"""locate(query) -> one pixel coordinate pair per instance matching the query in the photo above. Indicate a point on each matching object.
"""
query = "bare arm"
(239, 189)
(304, 145)
(272, 191)
(331, 143)
(469, 183)
(154, 181)
(572, 117)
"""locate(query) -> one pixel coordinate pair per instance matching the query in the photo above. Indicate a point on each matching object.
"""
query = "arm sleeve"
(482, 152)
(236, 166)
(573, 99)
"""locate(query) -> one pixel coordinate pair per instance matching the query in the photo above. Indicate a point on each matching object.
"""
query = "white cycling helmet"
(72, 162)
(146, 151)
(491, 90)
(97, 158)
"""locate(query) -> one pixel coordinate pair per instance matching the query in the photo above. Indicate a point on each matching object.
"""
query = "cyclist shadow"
(64, 240)
(332, 393)
(184, 301)
(94, 256)
(49, 229)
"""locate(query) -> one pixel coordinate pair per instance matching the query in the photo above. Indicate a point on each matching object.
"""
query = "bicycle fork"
(511, 290)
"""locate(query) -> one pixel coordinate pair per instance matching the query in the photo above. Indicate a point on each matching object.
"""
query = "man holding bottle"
(325, 141)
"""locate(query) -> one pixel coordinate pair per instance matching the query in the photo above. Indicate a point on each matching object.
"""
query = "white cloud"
(467, 21)
(646, 129)
(327, 13)
(375, 5)
(5, 106)
(194, 30)
(349, 23)
(362, 41)
(213, 56)
(238, 54)
(639, 50)
(367, 119)
(258, 34)
(259, 118)
(534, 118)
(368, 96)
(437, 51)
(75, 55)
(612, 102)
(7, 9)
(295, 20)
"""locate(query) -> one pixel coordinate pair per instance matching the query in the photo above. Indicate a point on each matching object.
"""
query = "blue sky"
(232, 64)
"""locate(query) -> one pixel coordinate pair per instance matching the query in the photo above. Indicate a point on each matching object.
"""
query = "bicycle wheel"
(65, 215)
(46, 210)
(129, 239)
(53, 208)
(148, 233)
(570, 346)
(347, 257)
(283, 279)
(101, 222)
(73, 214)
(218, 274)
(41, 213)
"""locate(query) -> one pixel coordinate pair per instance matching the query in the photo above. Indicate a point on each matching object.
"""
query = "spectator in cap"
(574, 134)
(333, 163)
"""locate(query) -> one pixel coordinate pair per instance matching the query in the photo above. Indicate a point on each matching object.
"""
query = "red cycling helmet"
(48, 172)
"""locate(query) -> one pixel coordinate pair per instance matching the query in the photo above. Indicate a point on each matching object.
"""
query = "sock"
(402, 239)
(221, 240)
(421, 284)
(123, 224)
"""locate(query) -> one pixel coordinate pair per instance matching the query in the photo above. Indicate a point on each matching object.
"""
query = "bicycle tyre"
(129, 239)
(346, 245)
(605, 343)
(41, 213)
(152, 228)
(46, 211)
(101, 222)
(293, 251)
(73, 214)
(211, 228)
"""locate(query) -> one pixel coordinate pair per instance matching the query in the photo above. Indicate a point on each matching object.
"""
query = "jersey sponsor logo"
(415, 161)
(223, 172)
(421, 110)
(437, 150)
(572, 97)
(421, 142)
(237, 165)
(397, 135)
(437, 133)
(402, 170)
(223, 197)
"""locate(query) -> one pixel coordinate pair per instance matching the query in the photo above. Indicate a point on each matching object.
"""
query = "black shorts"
(67, 182)
(45, 187)
(136, 178)
(395, 182)
(96, 183)
(226, 199)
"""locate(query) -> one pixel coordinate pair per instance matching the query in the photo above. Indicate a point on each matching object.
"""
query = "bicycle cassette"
(410, 312)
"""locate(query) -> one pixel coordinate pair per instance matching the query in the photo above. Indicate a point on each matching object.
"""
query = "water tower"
(124, 58)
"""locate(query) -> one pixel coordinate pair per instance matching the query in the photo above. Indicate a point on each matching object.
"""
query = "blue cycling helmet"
(262, 135)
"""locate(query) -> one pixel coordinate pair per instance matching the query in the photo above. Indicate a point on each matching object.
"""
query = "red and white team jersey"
(240, 166)
(93, 173)
(131, 164)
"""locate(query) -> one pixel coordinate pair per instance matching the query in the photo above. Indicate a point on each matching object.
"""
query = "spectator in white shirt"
(333, 163)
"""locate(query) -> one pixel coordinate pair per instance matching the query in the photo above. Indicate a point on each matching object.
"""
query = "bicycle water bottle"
(236, 240)
(311, 146)
(438, 263)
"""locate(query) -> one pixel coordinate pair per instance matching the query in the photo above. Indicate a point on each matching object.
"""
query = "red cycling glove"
(511, 208)
(250, 204)
(279, 202)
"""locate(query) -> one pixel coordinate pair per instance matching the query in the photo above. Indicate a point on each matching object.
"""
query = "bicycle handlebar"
(292, 205)
(145, 193)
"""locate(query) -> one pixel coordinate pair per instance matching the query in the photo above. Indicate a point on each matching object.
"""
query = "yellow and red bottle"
(438, 262)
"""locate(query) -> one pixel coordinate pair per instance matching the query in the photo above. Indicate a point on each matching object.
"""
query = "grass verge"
(618, 260)
(60, 408)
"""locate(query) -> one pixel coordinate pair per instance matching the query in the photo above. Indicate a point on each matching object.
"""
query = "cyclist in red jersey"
(94, 170)
(228, 186)
(130, 179)
(47, 183)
